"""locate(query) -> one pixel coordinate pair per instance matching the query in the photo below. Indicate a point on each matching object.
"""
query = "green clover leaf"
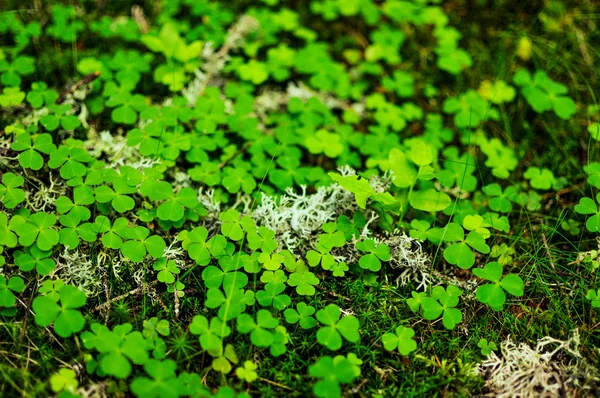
(211, 334)
(141, 243)
(304, 282)
(247, 372)
(544, 94)
(7, 287)
(486, 347)
(460, 253)
(594, 297)
(64, 380)
(67, 320)
(11, 96)
(320, 256)
(261, 333)
(73, 231)
(442, 302)
(332, 372)
(199, 249)
(271, 296)
(164, 382)
(167, 270)
(22, 65)
(7, 236)
(493, 293)
(112, 235)
(401, 339)
(35, 258)
(331, 334)
(118, 197)
(588, 206)
(41, 95)
(469, 109)
(118, 348)
(70, 160)
(59, 118)
(303, 315)
(30, 151)
(263, 239)
(540, 178)
(376, 254)
(497, 92)
(10, 193)
(38, 229)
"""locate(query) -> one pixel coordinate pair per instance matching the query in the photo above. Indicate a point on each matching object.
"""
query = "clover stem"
(410, 190)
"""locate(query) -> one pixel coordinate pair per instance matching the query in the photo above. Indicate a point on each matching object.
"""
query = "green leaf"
(402, 339)
(331, 335)
(357, 185)
(493, 294)
(429, 200)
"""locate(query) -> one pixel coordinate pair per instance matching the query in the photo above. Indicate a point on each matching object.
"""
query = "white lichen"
(552, 368)
(407, 255)
(207, 200)
(113, 146)
(45, 194)
(298, 216)
(75, 267)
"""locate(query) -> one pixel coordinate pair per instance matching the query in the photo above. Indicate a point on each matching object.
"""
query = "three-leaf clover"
(140, 243)
(588, 206)
(544, 94)
(38, 228)
(247, 372)
(117, 348)
(304, 281)
(460, 253)
(211, 334)
(73, 231)
(20, 66)
(35, 258)
(401, 339)
(442, 302)
(41, 95)
(164, 381)
(64, 380)
(59, 118)
(303, 315)
(167, 270)
(70, 160)
(10, 193)
(486, 347)
(376, 254)
(174, 205)
(331, 334)
(261, 331)
(118, 197)
(594, 297)
(67, 320)
(7, 287)
(199, 249)
(30, 149)
(469, 109)
(332, 372)
(497, 92)
(237, 178)
(540, 178)
(493, 293)
(271, 296)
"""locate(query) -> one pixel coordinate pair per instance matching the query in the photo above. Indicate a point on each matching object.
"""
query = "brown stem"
(85, 80)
